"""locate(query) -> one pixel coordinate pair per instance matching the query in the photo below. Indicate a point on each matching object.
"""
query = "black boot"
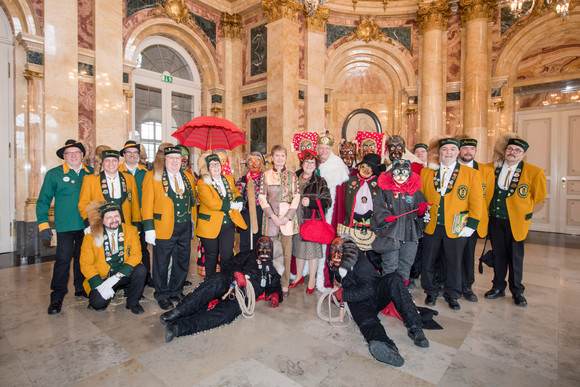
(386, 352)
(171, 331)
(170, 316)
(418, 337)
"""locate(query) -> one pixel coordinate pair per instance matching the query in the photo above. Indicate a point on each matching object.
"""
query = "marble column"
(232, 33)
(282, 79)
(475, 16)
(109, 99)
(315, 69)
(60, 75)
(432, 19)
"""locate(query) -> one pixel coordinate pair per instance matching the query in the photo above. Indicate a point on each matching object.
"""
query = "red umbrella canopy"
(209, 132)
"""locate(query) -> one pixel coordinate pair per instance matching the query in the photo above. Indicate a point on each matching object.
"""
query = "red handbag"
(316, 230)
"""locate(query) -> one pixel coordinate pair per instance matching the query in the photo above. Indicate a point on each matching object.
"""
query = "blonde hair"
(279, 148)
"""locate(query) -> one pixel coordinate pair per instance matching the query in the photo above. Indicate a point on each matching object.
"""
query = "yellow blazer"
(157, 208)
(212, 209)
(530, 191)
(465, 196)
(487, 175)
(93, 264)
(92, 190)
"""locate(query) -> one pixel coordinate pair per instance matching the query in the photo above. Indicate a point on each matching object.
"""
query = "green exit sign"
(167, 78)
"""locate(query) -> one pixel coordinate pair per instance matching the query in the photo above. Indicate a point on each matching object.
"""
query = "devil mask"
(401, 171)
(265, 248)
(336, 248)
(348, 153)
(254, 163)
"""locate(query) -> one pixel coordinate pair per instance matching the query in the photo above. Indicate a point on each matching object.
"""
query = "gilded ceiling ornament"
(175, 10)
(367, 30)
(433, 15)
(476, 9)
(540, 7)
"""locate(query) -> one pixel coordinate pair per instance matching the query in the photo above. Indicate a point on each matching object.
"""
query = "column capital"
(318, 21)
(30, 74)
(476, 9)
(232, 26)
(433, 15)
(281, 9)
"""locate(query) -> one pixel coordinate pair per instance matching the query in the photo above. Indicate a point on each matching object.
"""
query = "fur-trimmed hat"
(499, 148)
(433, 152)
(99, 157)
(159, 162)
(96, 221)
(203, 168)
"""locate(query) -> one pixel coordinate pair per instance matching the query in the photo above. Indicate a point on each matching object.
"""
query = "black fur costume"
(367, 293)
(193, 314)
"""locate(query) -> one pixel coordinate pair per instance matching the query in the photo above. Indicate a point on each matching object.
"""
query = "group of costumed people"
(383, 212)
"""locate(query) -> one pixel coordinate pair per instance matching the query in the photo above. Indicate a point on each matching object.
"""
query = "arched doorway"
(6, 132)
(167, 91)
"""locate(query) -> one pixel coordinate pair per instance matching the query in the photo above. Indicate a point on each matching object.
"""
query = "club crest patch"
(523, 191)
(462, 192)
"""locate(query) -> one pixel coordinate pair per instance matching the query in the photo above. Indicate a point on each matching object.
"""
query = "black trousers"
(146, 259)
(507, 253)
(223, 246)
(468, 263)
(134, 288)
(246, 234)
(193, 308)
(177, 247)
(417, 264)
(68, 247)
(389, 288)
(452, 253)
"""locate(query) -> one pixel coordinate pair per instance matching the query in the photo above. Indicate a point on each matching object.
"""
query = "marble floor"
(489, 343)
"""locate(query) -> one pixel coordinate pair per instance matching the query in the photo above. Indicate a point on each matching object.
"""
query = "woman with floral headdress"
(312, 188)
(220, 204)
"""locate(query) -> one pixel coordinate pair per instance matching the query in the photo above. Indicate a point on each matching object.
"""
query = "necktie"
(505, 183)
(177, 189)
(443, 185)
(112, 180)
(113, 243)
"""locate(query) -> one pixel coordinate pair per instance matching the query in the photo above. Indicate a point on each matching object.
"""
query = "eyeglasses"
(214, 165)
(517, 151)
(73, 153)
(309, 162)
(131, 153)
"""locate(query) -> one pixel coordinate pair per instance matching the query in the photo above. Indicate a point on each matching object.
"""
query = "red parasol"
(209, 132)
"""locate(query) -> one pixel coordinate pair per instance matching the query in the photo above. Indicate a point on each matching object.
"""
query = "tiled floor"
(489, 343)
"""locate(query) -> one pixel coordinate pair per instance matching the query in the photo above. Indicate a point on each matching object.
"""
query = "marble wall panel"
(259, 110)
(258, 50)
(37, 7)
(134, 6)
(86, 24)
(454, 50)
(537, 100)
(87, 117)
(495, 36)
(301, 47)
(453, 119)
(551, 59)
(249, 24)
(363, 80)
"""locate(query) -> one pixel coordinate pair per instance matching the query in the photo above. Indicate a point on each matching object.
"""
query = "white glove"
(88, 230)
(237, 205)
(106, 288)
(150, 237)
(427, 217)
(466, 232)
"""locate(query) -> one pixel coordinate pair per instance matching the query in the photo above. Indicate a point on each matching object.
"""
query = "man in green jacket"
(63, 184)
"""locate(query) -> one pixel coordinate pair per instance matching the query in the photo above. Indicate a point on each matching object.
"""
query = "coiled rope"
(329, 295)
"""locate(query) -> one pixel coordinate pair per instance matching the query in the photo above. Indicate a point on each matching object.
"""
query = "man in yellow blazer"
(519, 187)
(467, 152)
(169, 214)
(111, 258)
(457, 197)
(111, 185)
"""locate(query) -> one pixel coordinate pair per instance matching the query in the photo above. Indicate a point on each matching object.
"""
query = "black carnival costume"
(367, 293)
(192, 315)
